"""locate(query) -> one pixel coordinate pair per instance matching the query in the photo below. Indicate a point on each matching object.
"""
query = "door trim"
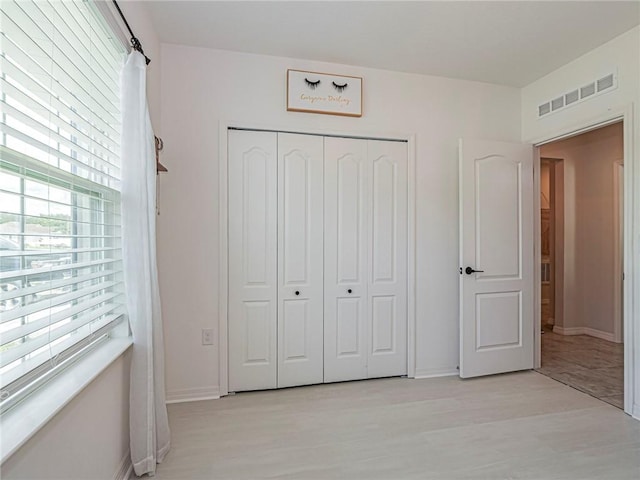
(618, 235)
(223, 233)
(631, 308)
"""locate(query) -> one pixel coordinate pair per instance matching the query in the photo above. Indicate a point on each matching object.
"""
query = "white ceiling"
(510, 43)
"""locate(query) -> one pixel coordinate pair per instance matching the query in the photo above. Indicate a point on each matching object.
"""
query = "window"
(61, 288)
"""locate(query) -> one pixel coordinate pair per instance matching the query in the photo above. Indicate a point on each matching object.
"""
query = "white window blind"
(60, 259)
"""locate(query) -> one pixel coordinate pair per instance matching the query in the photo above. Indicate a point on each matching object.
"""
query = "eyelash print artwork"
(312, 85)
(317, 92)
(340, 88)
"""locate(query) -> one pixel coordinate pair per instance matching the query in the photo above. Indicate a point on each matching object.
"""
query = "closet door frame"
(223, 231)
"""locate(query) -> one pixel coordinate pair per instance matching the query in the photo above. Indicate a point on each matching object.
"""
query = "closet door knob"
(297, 292)
(349, 291)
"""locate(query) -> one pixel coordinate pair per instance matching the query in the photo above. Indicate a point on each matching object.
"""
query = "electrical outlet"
(207, 336)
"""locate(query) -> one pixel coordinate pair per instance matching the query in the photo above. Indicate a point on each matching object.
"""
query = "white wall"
(90, 437)
(201, 87)
(87, 440)
(622, 54)
(588, 162)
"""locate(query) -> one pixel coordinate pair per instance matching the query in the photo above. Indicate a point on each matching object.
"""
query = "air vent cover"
(571, 97)
(586, 91)
(605, 82)
(557, 103)
(544, 109)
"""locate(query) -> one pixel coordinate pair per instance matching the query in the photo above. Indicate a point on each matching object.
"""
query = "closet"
(317, 259)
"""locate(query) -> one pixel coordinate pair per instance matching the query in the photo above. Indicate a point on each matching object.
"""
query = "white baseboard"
(568, 331)
(635, 412)
(436, 372)
(126, 468)
(193, 394)
(592, 332)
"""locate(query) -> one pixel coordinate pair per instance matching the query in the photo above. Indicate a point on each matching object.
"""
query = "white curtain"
(149, 425)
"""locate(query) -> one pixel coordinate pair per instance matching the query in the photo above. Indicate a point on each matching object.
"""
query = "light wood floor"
(590, 364)
(521, 425)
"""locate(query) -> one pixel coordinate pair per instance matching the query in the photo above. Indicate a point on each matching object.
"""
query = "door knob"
(297, 292)
(349, 291)
(470, 270)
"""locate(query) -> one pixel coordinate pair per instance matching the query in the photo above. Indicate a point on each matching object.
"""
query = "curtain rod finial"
(137, 46)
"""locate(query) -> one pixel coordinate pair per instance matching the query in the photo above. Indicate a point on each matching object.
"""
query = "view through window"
(60, 260)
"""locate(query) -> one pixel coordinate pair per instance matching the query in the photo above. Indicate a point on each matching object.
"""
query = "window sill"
(20, 423)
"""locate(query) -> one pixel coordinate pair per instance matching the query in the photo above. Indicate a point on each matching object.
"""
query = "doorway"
(581, 283)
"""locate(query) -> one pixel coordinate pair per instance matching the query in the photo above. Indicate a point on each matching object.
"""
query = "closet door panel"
(300, 262)
(350, 171)
(383, 324)
(256, 319)
(349, 320)
(345, 257)
(252, 260)
(387, 278)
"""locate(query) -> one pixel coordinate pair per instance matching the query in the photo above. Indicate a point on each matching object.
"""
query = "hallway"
(591, 365)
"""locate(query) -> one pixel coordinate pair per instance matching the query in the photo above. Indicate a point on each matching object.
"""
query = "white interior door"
(300, 259)
(387, 272)
(252, 260)
(496, 240)
(345, 256)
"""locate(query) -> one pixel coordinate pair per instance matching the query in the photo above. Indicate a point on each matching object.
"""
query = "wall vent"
(544, 109)
(588, 90)
(601, 85)
(557, 103)
(571, 97)
(605, 82)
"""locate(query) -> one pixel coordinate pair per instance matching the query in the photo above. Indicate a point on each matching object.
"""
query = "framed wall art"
(314, 92)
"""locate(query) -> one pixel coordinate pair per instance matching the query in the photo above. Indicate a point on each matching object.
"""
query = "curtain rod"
(135, 43)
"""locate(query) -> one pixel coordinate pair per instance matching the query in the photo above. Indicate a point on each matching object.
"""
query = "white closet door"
(345, 257)
(300, 263)
(252, 260)
(387, 272)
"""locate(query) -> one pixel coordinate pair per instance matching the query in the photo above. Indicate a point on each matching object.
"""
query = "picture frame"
(329, 94)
